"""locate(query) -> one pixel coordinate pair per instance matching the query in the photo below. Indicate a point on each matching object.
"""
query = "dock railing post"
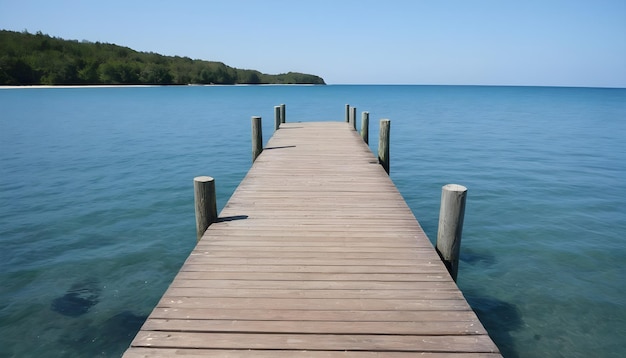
(257, 137)
(450, 228)
(353, 117)
(277, 119)
(365, 127)
(383, 144)
(347, 113)
(205, 203)
(283, 118)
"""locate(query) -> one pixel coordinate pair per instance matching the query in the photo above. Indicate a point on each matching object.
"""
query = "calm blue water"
(96, 202)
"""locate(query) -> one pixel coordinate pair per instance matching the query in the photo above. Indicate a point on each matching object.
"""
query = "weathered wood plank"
(238, 235)
(316, 327)
(220, 353)
(317, 251)
(311, 315)
(302, 261)
(339, 304)
(315, 276)
(386, 343)
(429, 294)
(230, 252)
(295, 243)
(185, 279)
(208, 266)
(313, 233)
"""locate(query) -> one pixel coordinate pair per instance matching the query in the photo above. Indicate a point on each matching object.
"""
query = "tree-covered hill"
(39, 59)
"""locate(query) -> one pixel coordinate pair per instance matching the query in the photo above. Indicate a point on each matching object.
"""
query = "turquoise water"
(96, 202)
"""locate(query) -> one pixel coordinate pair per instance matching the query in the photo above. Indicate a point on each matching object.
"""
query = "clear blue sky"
(498, 42)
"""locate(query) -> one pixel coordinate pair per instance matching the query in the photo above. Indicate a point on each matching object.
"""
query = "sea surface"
(97, 216)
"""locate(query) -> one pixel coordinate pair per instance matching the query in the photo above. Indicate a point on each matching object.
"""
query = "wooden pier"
(316, 254)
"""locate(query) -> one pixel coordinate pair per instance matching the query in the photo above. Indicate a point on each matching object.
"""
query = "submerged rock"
(78, 299)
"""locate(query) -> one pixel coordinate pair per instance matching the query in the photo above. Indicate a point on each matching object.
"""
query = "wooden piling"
(283, 118)
(347, 113)
(257, 137)
(353, 117)
(450, 228)
(365, 126)
(383, 144)
(277, 119)
(205, 203)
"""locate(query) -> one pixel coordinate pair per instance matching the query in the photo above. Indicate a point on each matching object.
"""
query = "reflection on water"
(499, 318)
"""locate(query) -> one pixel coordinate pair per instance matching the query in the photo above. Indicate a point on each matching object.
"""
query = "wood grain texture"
(223, 353)
(316, 254)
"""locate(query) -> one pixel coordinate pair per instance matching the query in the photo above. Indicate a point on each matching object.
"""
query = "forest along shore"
(39, 59)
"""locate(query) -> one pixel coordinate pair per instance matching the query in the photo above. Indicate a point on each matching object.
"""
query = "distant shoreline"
(147, 86)
(287, 84)
(42, 59)
(73, 86)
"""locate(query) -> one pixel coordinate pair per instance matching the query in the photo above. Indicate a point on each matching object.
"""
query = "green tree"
(88, 74)
(19, 72)
(119, 73)
(156, 75)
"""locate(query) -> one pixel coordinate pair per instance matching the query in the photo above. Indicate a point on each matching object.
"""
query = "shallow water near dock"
(96, 201)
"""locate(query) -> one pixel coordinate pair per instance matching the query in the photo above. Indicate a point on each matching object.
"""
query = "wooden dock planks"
(316, 254)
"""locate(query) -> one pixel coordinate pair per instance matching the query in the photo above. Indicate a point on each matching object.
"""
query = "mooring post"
(365, 127)
(283, 119)
(205, 203)
(353, 117)
(450, 228)
(277, 119)
(347, 113)
(257, 137)
(383, 144)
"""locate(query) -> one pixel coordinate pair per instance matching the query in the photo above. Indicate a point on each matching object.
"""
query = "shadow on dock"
(283, 147)
(232, 218)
